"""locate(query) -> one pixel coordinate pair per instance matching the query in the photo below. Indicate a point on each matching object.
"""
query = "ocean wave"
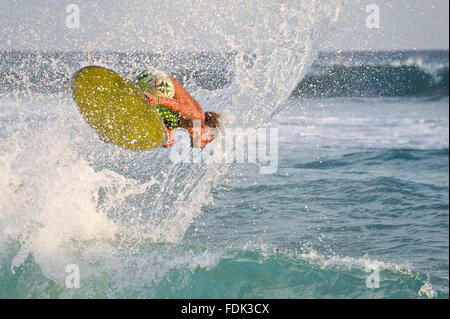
(370, 81)
(376, 157)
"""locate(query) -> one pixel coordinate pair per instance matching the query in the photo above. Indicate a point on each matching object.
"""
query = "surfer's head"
(156, 82)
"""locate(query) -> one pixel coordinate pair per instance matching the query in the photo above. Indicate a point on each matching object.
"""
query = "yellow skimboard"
(117, 109)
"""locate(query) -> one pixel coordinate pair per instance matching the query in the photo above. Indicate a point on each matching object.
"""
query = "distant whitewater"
(333, 74)
(372, 74)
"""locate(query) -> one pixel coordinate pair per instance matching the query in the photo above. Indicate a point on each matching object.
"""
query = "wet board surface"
(117, 109)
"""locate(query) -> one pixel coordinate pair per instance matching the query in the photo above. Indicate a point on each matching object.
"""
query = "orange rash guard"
(184, 104)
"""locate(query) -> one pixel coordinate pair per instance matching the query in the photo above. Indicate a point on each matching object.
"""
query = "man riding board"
(177, 107)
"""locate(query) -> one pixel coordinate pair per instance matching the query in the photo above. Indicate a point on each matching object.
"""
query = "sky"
(404, 24)
(30, 24)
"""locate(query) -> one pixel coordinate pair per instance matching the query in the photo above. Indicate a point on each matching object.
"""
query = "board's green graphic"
(117, 108)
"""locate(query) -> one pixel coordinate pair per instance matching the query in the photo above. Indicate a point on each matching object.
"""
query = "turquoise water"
(361, 184)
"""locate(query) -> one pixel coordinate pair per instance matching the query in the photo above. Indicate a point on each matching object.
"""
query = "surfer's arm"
(187, 106)
(186, 110)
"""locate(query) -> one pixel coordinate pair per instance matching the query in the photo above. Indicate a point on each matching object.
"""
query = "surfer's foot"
(103, 138)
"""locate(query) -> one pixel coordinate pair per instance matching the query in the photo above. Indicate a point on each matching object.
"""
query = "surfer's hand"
(208, 134)
(170, 138)
(151, 99)
(202, 136)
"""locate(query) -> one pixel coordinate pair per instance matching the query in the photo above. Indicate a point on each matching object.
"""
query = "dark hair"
(212, 119)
